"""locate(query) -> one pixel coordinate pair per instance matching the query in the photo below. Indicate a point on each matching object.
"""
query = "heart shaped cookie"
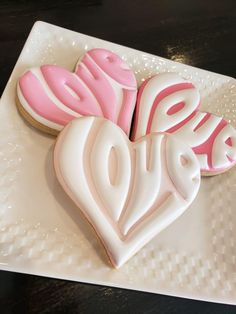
(128, 191)
(102, 85)
(168, 103)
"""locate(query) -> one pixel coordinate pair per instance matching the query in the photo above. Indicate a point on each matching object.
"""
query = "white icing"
(113, 196)
(147, 174)
(82, 156)
(163, 121)
(202, 159)
(150, 119)
(194, 138)
(181, 163)
(153, 87)
(221, 151)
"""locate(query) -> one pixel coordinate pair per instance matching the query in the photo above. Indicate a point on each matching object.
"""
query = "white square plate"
(41, 230)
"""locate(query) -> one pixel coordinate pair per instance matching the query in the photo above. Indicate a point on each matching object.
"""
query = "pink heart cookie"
(168, 103)
(102, 85)
(128, 191)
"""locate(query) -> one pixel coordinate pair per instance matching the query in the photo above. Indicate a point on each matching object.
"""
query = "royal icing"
(102, 85)
(168, 103)
(128, 191)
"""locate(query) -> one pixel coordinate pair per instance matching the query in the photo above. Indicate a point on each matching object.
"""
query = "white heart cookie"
(128, 191)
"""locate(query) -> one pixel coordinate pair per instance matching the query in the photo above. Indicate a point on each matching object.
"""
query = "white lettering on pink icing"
(102, 85)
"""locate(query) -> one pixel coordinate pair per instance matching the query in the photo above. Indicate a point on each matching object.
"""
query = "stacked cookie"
(129, 189)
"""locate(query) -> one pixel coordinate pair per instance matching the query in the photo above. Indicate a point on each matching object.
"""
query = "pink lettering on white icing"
(167, 103)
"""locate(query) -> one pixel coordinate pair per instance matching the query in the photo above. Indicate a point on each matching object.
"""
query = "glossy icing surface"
(128, 191)
(102, 85)
(167, 103)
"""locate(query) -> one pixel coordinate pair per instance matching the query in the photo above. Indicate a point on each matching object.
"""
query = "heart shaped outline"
(79, 149)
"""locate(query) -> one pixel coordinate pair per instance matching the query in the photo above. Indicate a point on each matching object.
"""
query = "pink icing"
(92, 90)
(114, 66)
(229, 142)
(35, 95)
(99, 86)
(58, 78)
(175, 108)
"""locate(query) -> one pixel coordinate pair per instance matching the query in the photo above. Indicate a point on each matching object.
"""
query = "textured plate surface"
(41, 230)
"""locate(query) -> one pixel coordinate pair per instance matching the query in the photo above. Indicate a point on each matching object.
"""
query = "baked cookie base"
(36, 124)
